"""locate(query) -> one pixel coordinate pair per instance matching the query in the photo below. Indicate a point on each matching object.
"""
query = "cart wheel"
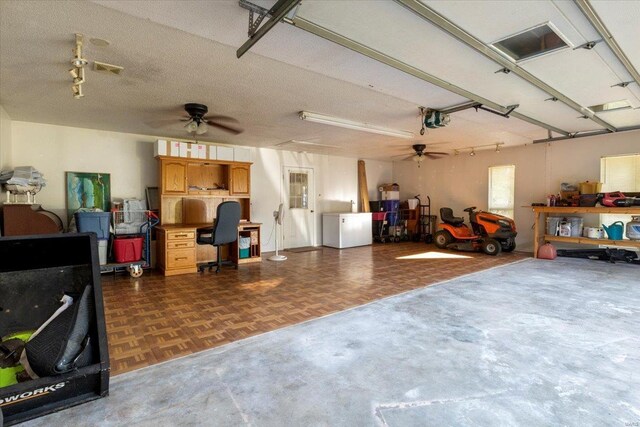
(135, 271)
(396, 239)
(382, 240)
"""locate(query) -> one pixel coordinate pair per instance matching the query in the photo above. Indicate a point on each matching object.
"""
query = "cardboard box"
(224, 153)
(160, 148)
(390, 195)
(568, 195)
(389, 187)
(213, 152)
(192, 151)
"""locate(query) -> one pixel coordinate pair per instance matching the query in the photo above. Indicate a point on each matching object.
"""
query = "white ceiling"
(175, 52)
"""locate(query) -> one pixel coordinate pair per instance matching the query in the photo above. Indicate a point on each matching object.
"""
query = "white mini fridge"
(346, 230)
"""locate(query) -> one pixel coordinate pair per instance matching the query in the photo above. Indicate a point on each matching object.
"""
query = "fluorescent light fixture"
(348, 124)
(610, 106)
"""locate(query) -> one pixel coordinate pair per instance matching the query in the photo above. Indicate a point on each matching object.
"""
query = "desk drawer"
(180, 244)
(178, 258)
(177, 235)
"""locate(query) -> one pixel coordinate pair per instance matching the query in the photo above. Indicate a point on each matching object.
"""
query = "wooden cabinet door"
(239, 180)
(174, 176)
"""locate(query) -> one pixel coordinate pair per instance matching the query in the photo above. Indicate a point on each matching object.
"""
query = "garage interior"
(506, 106)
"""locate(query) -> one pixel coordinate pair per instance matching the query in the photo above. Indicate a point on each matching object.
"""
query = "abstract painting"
(88, 190)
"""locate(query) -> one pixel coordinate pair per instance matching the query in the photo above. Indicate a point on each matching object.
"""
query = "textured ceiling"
(175, 52)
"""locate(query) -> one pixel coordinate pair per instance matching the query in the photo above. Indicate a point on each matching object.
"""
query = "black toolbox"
(35, 271)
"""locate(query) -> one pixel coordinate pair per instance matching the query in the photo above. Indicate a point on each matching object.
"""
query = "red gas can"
(547, 251)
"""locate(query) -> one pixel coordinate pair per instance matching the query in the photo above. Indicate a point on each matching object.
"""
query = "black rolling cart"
(426, 221)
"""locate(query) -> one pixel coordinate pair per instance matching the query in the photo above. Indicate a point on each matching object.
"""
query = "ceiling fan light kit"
(348, 124)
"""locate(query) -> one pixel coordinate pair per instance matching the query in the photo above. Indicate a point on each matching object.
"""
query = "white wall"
(462, 181)
(336, 185)
(53, 150)
(5, 138)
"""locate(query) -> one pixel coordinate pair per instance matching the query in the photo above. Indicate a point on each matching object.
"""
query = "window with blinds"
(502, 189)
(619, 173)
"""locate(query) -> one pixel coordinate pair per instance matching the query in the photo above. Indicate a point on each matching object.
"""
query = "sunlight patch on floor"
(262, 285)
(433, 255)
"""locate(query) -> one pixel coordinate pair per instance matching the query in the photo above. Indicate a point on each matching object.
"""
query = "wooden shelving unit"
(541, 213)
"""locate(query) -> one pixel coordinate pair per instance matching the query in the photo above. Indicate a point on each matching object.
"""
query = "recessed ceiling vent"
(610, 106)
(107, 68)
(537, 41)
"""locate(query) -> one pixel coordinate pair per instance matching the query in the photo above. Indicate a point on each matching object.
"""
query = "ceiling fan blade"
(435, 155)
(223, 118)
(225, 128)
(161, 123)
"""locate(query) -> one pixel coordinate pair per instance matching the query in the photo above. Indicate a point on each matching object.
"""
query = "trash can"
(35, 272)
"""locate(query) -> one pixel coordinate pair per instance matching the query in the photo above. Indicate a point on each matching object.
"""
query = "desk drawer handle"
(181, 244)
(182, 235)
(181, 258)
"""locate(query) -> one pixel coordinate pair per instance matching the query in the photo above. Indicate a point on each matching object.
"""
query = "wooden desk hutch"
(190, 192)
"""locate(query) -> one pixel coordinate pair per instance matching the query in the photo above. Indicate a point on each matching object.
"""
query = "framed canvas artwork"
(88, 190)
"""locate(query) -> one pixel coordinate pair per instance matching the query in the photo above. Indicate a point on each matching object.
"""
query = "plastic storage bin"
(35, 271)
(244, 243)
(127, 249)
(93, 222)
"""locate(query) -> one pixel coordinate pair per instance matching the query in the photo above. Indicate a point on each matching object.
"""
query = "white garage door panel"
(418, 43)
(506, 17)
(622, 118)
(621, 19)
(580, 74)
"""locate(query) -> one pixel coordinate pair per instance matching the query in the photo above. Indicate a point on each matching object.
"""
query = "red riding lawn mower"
(490, 233)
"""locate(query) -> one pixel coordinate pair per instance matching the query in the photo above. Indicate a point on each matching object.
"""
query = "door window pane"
(298, 190)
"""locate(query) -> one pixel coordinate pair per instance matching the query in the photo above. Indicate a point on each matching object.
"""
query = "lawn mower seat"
(447, 216)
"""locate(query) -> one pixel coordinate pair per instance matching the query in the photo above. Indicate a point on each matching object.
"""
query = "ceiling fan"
(197, 122)
(420, 154)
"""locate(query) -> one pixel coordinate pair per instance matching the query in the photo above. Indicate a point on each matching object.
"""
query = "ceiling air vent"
(107, 68)
(610, 106)
(534, 42)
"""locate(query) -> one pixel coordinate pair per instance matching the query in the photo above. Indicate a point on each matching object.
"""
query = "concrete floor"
(532, 343)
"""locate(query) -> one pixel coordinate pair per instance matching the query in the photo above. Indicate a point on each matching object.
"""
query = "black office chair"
(224, 231)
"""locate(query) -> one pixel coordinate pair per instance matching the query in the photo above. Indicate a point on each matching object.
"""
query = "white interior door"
(299, 201)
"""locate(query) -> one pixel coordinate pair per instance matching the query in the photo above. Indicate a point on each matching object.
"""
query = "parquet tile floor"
(155, 318)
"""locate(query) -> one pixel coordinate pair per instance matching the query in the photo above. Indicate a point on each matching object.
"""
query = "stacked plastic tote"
(96, 222)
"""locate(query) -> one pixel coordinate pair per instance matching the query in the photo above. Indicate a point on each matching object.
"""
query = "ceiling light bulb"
(79, 62)
(497, 148)
(74, 73)
(191, 126)
(77, 91)
(417, 158)
(472, 153)
(202, 128)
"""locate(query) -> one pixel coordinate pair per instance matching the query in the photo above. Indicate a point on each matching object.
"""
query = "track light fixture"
(77, 72)
(472, 150)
